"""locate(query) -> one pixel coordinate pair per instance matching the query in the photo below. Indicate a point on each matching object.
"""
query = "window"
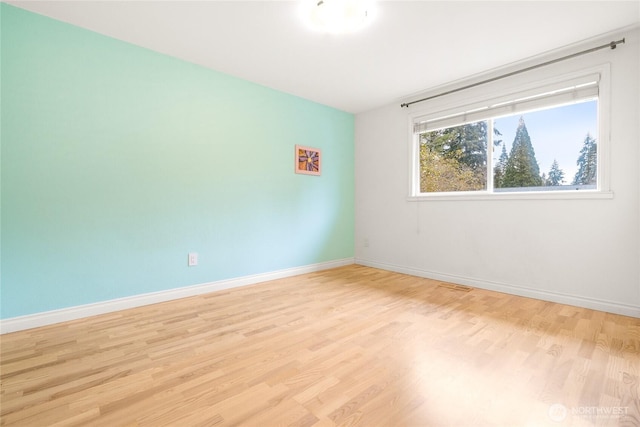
(542, 140)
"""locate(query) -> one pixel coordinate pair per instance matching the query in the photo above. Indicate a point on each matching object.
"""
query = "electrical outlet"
(193, 259)
(365, 243)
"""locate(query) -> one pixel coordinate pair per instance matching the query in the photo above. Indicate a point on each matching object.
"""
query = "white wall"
(581, 252)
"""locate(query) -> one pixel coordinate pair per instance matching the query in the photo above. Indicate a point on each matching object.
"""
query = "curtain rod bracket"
(615, 44)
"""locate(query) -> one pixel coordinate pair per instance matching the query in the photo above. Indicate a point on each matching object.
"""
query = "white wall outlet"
(193, 259)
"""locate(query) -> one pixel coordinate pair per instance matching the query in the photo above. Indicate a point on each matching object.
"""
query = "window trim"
(461, 103)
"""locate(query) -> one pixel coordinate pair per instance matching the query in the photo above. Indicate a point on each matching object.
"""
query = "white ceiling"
(411, 46)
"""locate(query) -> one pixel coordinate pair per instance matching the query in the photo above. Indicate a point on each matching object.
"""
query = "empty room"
(320, 213)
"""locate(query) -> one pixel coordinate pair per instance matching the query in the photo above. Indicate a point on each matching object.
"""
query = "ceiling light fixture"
(337, 16)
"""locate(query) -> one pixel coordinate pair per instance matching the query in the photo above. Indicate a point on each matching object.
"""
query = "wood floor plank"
(352, 346)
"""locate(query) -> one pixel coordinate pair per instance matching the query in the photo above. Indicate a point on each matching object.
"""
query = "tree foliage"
(467, 143)
(454, 159)
(498, 171)
(446, 173)
(587, 163)
(556, 175)
(522, 168)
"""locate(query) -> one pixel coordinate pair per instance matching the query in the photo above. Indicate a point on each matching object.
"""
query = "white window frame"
(472, 104)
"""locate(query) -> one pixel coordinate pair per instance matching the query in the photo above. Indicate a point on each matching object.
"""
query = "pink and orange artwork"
(308, 160)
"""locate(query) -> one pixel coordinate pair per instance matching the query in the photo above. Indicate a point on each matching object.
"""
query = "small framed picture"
(308, 160)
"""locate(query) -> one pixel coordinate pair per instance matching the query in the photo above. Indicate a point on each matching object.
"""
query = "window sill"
(551, 195)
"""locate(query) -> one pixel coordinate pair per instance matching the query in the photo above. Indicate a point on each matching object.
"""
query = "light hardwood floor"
(348, 346)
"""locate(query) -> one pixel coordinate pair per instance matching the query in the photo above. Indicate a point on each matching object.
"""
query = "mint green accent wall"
(117, 161)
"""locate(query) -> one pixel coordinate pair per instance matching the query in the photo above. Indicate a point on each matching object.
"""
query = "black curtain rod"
(611, 45)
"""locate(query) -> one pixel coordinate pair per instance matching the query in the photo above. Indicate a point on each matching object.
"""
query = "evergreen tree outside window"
(556, 175)
(498, 171)
(522, 168)
(587, 163)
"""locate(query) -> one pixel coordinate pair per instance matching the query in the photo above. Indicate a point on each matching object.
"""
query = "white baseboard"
(575, 300)
(72, 313)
